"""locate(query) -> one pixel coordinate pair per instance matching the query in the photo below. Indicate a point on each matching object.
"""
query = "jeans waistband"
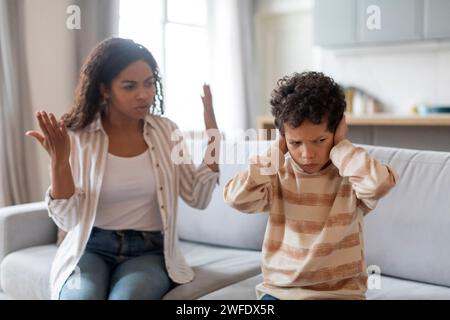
(129, 232)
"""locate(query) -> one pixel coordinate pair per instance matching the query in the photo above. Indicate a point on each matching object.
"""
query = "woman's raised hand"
(212, 153)
(54, 139)
(210, 118)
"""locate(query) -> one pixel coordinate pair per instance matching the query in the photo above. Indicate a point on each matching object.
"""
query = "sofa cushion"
(407, 234)
(242, 290)
(4, 296)
(214, 267)
(25, 273)
(401, 289)
(389, 289)
(220, 224)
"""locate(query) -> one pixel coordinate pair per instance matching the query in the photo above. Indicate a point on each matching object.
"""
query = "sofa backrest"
(219, 224)
(408, 233)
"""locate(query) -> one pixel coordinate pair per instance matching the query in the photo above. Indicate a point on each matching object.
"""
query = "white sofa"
(406, 238)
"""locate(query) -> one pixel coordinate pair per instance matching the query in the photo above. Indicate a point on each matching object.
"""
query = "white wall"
(51, 72)
(400, 76)
(283, 43)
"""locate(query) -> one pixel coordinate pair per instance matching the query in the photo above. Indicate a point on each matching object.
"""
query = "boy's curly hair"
(307, 96)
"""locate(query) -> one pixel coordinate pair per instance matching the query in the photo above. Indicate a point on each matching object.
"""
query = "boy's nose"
(307, 153)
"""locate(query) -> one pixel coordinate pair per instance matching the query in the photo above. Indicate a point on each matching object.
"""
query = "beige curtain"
(19, 173)
(234, 70)
(99, 20)
(14, 105)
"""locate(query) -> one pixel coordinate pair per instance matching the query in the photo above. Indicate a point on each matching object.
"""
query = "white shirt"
(128, 195)
(76, 215)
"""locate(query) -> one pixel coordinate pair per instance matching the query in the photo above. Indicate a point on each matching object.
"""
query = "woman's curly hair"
(104, 63)
(307, 96)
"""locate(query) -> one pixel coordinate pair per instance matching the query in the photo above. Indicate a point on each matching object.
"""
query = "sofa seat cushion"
(401, 289)
(4, 296)
(390, 289)
(25, 273)
(215, 267)
(243, 290)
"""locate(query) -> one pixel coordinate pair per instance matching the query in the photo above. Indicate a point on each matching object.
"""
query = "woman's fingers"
(62, 128)
(54, 124)
(206, 90)
(50, 129)
(210, 119)
(42, 124)
(207, 98)
(39, 137)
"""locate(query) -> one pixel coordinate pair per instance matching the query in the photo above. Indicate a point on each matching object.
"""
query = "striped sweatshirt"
(313, 246)
(76, 215)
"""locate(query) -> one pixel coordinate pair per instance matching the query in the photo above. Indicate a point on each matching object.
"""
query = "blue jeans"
(268, 297)
(120, 265)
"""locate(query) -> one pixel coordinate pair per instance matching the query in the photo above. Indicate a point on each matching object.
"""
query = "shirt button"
(153, 148)
(160, 188)
(157, 165)
(162, 207)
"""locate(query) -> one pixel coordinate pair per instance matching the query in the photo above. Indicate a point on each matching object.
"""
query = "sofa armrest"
(23, 226)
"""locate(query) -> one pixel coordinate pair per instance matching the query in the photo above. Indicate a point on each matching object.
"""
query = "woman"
(114, 186)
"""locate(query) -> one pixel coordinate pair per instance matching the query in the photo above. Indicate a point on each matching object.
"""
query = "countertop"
(383, 119)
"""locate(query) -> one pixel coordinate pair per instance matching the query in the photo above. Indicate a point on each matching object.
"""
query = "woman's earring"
(104, 105)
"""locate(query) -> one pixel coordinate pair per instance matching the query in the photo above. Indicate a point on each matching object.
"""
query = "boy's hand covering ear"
(341, 131)
(282, 143)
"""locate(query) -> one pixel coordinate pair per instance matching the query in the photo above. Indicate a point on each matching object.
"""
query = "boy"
(316, 196)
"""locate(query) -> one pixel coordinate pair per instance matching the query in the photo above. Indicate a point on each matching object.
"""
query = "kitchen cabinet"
(431, 132)
(334, 22)
(379, 21)
(437, 19)
(353, 23)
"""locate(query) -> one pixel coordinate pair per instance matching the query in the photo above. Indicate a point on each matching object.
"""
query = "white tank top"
(128, 195)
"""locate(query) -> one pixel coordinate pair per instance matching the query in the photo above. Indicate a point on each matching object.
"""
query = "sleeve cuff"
(55, 204)
(206, 174)
(340, 150)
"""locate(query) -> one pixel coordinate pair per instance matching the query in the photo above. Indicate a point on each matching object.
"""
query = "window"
(175, 31)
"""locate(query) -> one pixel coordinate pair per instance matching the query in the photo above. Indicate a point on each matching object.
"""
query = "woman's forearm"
(212, 154)
(63, 186)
